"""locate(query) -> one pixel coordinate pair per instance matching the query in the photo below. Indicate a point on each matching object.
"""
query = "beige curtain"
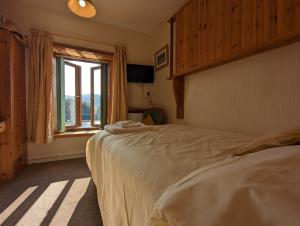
(40, 103)
(117, 87)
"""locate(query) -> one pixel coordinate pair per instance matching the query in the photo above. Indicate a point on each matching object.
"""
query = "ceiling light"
(82, 8)
(82, 3)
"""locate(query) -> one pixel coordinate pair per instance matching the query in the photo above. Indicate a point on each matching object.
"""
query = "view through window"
(82, 94)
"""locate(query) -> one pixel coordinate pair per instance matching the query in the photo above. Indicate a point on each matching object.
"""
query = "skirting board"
(54, 158)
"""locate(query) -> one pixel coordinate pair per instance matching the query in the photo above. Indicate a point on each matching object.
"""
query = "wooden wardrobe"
(12, 105)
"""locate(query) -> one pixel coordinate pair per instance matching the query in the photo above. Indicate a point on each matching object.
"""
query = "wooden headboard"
(213, 32)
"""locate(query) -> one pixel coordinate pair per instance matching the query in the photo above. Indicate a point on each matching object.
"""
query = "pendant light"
(82, 8)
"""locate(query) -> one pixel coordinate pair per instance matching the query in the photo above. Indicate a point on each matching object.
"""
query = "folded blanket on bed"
(281, 139)
(116, 129)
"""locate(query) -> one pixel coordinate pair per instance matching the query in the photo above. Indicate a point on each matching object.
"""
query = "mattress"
(132, 172)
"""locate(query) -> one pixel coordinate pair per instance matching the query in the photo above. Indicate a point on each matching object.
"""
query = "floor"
(55, 193)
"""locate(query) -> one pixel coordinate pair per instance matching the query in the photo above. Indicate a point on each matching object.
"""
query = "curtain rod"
(79, 39)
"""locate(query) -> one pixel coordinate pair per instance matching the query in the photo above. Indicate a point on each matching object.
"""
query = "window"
(81, 94)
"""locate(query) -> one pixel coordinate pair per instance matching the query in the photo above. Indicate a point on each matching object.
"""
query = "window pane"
(70, 96)
(86, 91)
(97, 96)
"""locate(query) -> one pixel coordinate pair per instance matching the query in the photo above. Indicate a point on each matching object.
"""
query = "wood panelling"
(12, 105)
(5, 146)
(18, 103)
(212, 32)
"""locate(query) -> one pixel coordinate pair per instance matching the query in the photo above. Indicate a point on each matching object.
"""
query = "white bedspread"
(132, 171)
(260, 189)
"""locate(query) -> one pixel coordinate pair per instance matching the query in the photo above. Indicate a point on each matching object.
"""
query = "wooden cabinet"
(212, 32)
(12, 105)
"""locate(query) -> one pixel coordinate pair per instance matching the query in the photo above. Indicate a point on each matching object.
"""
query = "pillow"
(148, 120)
(286, 138)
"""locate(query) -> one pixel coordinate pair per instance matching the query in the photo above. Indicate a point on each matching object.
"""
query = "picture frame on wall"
(162, 58)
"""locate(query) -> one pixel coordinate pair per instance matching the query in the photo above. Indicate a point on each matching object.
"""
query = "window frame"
(103, 66)
(78, 97)
(92, 73)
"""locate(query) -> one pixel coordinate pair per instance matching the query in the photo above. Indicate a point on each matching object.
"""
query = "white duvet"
(179, 175)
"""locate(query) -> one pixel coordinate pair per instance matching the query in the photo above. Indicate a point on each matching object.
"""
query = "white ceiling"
(138, 15)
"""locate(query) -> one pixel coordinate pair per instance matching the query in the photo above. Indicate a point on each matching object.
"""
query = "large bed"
(177, 175)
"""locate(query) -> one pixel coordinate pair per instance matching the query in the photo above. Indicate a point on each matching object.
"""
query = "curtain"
(117, 87)
(40, 102)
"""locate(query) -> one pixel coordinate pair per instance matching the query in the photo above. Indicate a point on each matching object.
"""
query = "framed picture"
(162, 58)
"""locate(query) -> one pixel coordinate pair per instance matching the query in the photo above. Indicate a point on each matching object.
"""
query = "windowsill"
(84, 133)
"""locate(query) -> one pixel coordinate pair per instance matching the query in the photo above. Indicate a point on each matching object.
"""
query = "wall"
(163, 88)
(138, 49)
(256, 95)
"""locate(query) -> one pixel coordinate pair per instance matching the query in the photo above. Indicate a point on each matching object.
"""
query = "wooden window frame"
(64, 53)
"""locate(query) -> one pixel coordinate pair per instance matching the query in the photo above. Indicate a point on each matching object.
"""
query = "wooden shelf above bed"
(214, 32)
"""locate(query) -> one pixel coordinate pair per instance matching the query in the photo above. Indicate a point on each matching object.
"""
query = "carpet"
(53, 193)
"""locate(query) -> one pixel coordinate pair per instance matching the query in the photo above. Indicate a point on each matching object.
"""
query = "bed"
(181, 175)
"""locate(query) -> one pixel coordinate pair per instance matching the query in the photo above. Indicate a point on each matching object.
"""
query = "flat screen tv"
(140, 73)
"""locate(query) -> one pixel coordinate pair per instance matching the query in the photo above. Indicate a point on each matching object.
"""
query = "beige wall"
(256, 95)
(163, 89)
(138, 47)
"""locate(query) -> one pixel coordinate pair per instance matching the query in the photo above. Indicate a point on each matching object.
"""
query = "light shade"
(88, 11)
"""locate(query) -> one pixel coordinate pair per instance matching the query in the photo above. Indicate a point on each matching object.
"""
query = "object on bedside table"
(148, 120)
(157, 115)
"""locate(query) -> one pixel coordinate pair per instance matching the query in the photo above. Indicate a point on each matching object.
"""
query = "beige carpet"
(55, 193)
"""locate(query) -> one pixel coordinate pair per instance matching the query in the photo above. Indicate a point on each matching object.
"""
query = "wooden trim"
(81, 60)
(83, 49)
(289, 39)
(179, 87)
(75, 129)
(83, 133)
(171, 48)
(81, 39)
(81, 53)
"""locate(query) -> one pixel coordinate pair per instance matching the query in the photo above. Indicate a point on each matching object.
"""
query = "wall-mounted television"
(140, 73)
